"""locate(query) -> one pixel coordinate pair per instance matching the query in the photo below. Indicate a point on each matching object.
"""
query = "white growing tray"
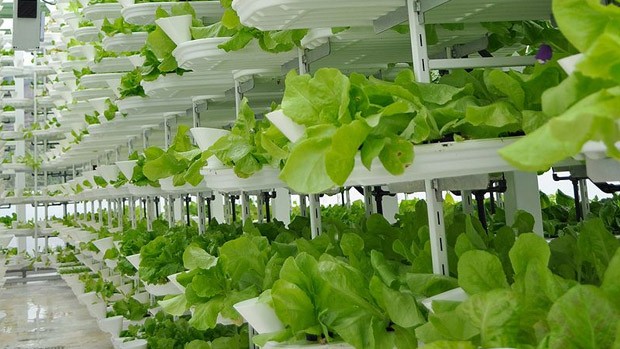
(101, 11)
(300, 14)
(113, 65)
(144, 13)
(87, 34)
(189, 84)
(159, 106)
(203, 54)
(98, 80)
(125, 42)
(91, 93)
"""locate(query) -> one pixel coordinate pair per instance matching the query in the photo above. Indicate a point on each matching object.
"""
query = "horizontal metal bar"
(483, 62)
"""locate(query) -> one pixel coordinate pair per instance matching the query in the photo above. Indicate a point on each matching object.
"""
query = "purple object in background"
(544, 53)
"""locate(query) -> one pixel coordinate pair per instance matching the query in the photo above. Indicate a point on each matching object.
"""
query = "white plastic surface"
(127, 167)
(134, 259)
(301, 14)
(112, 65)
(288, 127)
(101, 11)
(87, 34)
(125, 42)
(176, 27)
(104, 244)
(204, 54)
(98, 80)
(144, 13)
(259, 315)
(205, 136)
(157, 106)
(225, 180)
(455, 295)
(189, 84)
(162, 290)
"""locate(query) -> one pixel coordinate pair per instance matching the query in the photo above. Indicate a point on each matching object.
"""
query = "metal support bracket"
(437, 229)
(315, 215)
(308, 57)
(245, 206)
(200, 203)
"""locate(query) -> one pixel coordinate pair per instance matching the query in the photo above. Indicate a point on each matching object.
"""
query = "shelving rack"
(210, 95)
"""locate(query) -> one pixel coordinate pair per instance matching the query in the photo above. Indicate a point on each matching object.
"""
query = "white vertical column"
(522, 194)
(315, 215)
(439, 248)
(245, 206)
(390, 208)
(418, 43)
(583, 195)
(217, 207)
(282, 206)
(369, 202)
(466, 203)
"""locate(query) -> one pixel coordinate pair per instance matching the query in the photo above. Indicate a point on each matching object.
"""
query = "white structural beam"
(282, 206)
(522, 194)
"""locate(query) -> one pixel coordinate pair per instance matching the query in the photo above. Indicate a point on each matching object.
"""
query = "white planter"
(104, 244)
(114, 85)
(136, 60)
(292, 130)
(99, 104)
(112, 325)
(127, 167)
(108, 172)
(570, 63)
(142, 297)
(125, 289)
(173, 279)
(455, 295)
(5, 240)
(259, 315)
(134, 259)
(111, 263)
(88, 298)
(176, 27)
(162, 290)
(97, 310)
(205, 137)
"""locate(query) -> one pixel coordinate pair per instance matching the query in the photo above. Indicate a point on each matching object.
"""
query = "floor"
(46, 315)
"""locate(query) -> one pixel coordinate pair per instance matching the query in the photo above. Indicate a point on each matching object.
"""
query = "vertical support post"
(437, 229)
(282, 206)
(178, 209)
(585, 200)
(260, 201)
(418, 42)
(466, 203)
(109, 213)
(315, 215)
(149, 213)
(218, 207)
(93, 211)
(369, 202)
(302, 205)
(132, 212)
(522, 194)
(228, 217)
(170, 210)
(245, 206)
(390, 207)
(200, 204)
(120, 208)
